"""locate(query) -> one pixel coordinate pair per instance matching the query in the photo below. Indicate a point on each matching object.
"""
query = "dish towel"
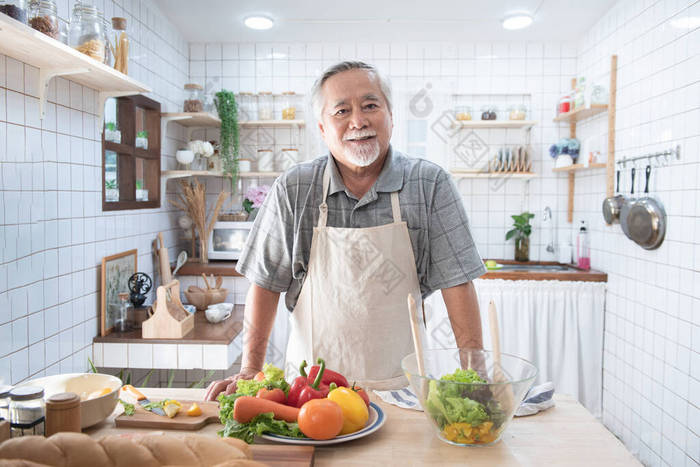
(538, 398)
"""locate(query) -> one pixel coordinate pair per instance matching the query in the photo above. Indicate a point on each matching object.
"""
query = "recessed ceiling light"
(689, 22)
(258, 22)
(518, 21)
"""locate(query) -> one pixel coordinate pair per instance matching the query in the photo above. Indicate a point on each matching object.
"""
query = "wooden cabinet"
(131, 162)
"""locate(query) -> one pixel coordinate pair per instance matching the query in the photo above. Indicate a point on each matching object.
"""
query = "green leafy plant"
(142, 134)
(111, 126)
(521, 226)
(230, 143)
(111, 184)
(139, 184)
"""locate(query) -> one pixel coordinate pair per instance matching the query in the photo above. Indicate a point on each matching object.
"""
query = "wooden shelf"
(193, 119)
(577, 167)
(216, 267)
(172, 174)
(519, 175)
(271, 123)
(581, 114)
(56, 59)
(484, 124)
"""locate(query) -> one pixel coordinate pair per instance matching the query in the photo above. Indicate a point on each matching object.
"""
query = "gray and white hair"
(316, 95)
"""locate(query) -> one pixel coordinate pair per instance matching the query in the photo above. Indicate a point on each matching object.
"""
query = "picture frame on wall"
(116, 270)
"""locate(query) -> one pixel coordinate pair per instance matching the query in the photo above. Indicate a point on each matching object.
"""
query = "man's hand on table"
(228, 385)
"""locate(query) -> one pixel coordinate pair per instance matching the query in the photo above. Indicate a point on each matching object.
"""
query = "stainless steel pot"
(625, 208)
(646, 219)
(612, 205)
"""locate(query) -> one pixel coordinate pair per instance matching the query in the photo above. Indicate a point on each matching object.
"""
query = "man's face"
(356, 123)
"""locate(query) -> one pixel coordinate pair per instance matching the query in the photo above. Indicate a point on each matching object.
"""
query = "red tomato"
(321, 419)
(361, 392)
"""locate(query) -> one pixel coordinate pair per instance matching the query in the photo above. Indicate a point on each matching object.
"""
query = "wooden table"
(564, 435)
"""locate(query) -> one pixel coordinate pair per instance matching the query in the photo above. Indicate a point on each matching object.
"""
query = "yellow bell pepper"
(194, 410)
(355, 413)
(171, 407)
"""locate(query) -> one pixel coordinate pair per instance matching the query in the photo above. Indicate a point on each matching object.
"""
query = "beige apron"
(352, 308)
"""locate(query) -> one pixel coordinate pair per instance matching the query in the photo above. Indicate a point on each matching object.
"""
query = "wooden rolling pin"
(165, 273)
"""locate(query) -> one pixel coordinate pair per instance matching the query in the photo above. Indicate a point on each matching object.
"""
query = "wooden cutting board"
(145, 419)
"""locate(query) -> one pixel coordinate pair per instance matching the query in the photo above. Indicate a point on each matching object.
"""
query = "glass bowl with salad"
(466, 395)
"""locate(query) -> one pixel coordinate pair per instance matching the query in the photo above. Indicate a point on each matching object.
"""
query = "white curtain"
(556, 325)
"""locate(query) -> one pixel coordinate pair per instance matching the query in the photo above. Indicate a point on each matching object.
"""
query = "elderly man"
(348, 236)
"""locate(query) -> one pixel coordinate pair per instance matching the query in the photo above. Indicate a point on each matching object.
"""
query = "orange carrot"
(248, 407)
(276, 395)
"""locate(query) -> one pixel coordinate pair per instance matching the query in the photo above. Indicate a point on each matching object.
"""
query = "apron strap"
(323, 207)
(395, 208)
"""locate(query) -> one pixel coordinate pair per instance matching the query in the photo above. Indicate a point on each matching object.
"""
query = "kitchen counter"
(543, 271)
(564, 435)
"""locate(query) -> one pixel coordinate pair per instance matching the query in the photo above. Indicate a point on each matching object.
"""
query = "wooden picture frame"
(116, 270)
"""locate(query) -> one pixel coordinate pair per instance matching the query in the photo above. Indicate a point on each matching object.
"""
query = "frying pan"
(612, 205)
(625, 208)
(646, 220)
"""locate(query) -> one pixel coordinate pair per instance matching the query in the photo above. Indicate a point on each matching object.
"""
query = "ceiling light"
(518, 21)
(689, 22)
(258, 22)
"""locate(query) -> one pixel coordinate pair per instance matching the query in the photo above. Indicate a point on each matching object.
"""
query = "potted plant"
(254, 198)
(521, 233)
(141, 194)
(111, 190)
(229, 147)
(203, 150)
(112, 134)
(142, 139)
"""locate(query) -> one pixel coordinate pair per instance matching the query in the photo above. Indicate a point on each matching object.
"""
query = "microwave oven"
(227, 239)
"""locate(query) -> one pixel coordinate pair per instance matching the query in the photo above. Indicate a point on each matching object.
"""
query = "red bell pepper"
(329, 376)
(299, 383)
(314, 390)
(361, 392)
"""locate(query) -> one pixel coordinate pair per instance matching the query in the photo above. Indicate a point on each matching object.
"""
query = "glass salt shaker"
(27, 411)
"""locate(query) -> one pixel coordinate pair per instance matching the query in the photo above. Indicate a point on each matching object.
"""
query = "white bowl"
(91, 411)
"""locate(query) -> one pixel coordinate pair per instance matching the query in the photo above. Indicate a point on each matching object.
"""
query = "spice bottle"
(15, 9)
(43, 18)
(63, 413)
(5, 402)
(27, 411)
(121, 45)
(583, 249)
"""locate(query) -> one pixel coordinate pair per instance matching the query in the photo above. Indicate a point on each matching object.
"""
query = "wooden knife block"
(170, 320)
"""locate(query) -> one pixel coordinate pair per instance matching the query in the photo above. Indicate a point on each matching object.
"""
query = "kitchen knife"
(142, 400)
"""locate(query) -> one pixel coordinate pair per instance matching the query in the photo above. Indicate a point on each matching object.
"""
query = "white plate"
(375, 422)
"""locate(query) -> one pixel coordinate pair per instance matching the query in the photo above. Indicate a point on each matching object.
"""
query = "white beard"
(363, 154)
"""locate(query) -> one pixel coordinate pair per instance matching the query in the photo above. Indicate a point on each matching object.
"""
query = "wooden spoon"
(219, 282)
(204, 276)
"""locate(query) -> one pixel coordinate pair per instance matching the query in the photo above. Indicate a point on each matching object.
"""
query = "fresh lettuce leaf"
(263, 423)
(274, 378)
(447, 402)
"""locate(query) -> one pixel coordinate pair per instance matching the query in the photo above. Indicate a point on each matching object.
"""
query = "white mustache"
(361, 134)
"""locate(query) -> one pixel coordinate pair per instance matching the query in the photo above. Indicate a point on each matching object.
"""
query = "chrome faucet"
(547, 216)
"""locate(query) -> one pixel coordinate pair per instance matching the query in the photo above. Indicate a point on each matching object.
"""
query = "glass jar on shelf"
(121, 45)
(193, 98)
(489, 112)
(517, 112)
(265, 105)
(564, 105)
(107, 32)
(121, 324)
(266, 160)
(43, 17)
(463, 113)
(27, 411)
(86, 33)
(247, 108)
(289, 157)
(15, 9)
(289, 105)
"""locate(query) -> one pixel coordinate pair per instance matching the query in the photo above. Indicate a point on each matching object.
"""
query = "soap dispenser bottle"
(583, 249)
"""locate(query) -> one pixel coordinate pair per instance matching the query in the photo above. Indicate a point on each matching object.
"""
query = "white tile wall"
(53, 233)
(652, 339)
(442, 69)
